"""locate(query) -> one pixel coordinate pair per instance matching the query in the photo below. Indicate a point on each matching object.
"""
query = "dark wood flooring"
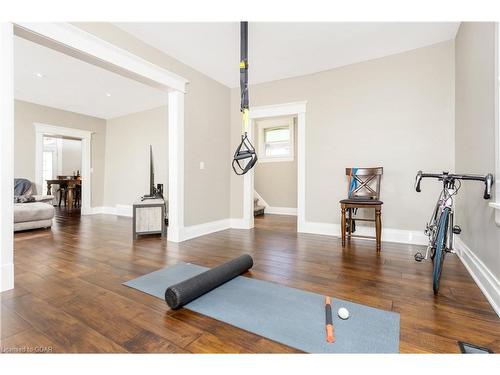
(68, 295)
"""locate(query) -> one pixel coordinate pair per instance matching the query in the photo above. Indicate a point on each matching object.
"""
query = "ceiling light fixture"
(39, 75)
(108, 94)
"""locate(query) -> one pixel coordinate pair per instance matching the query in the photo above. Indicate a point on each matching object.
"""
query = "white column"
(301, 171)
(86, 176)
(6, 157)
(175, 166)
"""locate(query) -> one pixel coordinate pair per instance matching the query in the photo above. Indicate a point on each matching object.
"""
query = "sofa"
(31, 211)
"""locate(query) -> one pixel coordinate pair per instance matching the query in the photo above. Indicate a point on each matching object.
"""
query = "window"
(276, 140)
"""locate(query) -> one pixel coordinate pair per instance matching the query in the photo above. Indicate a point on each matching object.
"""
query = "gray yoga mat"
(289, 316)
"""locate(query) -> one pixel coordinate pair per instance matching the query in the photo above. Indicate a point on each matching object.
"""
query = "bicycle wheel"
(440, 249)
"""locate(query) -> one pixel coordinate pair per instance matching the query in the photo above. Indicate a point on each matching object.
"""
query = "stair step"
(258, 210)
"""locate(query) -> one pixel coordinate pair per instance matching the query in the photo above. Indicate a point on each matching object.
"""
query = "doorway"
(296, 110)
(75, 185)
(275, 177)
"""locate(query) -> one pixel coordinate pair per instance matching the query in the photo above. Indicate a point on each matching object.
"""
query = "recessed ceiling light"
(108, 94)
(39, 75)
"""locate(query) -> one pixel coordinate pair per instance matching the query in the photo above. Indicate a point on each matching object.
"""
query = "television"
(154, 192)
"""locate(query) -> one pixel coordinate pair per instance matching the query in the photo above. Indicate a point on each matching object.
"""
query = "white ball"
(343, 313)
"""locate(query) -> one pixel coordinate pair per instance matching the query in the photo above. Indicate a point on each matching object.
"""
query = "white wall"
(127, 155)
(71, 157)
(396, 112)
(206, 128)
(475, 139)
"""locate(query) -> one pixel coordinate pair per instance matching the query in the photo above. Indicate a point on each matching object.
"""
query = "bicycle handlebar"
(488, 180)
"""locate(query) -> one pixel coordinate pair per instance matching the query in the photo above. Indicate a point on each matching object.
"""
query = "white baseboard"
(119, 210)
(240, 224)
(198, 230)
(485, 280)
(123, 210)
(388, 234)
(7, 277)
(281, 211)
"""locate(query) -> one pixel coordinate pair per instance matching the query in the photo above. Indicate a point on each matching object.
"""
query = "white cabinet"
(149, 217)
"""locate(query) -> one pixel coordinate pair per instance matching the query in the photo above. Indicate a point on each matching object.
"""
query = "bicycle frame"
(445, 200)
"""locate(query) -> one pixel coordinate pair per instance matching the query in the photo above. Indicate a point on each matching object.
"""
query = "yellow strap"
(244, 121)
(242, 65)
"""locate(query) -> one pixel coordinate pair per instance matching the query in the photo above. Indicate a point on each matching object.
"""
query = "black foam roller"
(188, 290)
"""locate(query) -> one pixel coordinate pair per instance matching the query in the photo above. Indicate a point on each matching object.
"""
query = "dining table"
(69, 183)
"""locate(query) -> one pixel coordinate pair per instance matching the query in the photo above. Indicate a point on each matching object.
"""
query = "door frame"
(85, 136)
(297, 109)
(75, 42)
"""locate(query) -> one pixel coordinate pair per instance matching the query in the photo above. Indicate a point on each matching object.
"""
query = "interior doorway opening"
(275, 176)
(295, 113)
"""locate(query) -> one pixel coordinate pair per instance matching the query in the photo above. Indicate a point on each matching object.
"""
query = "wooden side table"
(148, 217)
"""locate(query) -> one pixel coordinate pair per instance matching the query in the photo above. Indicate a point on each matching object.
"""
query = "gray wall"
(475, 137)
(25, 114)
(276, 182)
(206, 128)
(396, 112)
(127, 155)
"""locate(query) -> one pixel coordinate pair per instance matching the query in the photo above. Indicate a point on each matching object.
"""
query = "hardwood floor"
(69, 298)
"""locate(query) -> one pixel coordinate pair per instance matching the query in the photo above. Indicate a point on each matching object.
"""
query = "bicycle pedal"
(457, 229)
(418, 257)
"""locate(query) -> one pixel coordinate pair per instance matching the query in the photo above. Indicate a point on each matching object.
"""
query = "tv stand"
(149, 217)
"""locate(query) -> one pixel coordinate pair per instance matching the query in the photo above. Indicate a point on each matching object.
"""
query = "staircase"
(257, 209)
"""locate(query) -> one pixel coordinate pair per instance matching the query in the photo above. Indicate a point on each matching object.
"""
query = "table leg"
(342, 226)
(70, 196)
(378, 227)
(49, 188)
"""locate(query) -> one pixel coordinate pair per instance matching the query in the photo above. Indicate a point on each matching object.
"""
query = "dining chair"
(363, 191)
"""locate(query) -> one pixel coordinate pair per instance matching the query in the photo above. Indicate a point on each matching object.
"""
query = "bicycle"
(440, 229)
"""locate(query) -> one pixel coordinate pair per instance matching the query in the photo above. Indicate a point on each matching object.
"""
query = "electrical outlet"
(202, 165)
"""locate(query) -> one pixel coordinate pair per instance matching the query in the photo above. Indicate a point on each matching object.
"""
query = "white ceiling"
(280, 50)
(73, 85)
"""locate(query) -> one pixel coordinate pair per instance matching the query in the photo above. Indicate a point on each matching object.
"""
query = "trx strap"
(245, 156)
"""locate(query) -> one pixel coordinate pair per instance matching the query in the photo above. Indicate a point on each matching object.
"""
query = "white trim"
(281, 211)
(261, 200)
(6, 157)
(238, 223)
(286, 109)
(85, 46)
(86, 138)
(497, 124)
(194, 231)
(118, 210)
(7, 276)
(175, 166)
(485, 280)
(412, 237)
(495, 206)
(275, 110)
(124, 210)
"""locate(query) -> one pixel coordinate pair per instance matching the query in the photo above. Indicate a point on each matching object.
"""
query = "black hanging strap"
(245, 156)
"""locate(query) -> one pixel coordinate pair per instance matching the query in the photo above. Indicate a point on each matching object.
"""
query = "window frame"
(275, 123)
